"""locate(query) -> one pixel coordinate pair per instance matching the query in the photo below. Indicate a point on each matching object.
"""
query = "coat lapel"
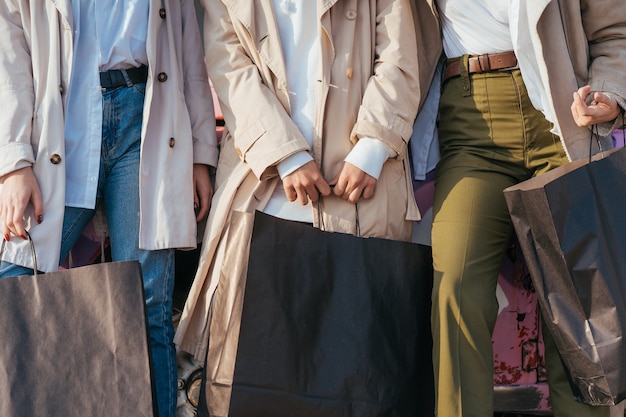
(326, 5)
(259, 18)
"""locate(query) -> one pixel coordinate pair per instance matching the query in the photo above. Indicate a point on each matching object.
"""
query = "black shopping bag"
(75, 344)
(333, 325)
(571, 226)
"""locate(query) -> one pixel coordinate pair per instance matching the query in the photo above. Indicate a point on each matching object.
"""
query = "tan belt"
(481, 63)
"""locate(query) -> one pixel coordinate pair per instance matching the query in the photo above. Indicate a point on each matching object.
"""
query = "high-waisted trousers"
(491, 137)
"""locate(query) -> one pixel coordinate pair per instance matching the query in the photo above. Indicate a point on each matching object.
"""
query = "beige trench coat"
(365, 90)
(35, 69)
(561, 46)
(563, 55)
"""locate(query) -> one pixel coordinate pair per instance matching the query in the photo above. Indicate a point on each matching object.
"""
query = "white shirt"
(475, 27)
(299, 36)
(300, 41)
(107, 35)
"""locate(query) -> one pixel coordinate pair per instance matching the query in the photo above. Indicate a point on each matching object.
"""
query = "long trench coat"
(370, 86)
(36, 52)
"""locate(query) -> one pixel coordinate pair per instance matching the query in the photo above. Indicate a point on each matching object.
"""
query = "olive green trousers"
(491, 137)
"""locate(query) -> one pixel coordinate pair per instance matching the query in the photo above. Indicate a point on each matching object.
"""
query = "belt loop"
(129, 83)
(483, 63)
(464, 74)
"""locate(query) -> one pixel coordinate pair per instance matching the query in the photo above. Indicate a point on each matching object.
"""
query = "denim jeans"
(118, 190)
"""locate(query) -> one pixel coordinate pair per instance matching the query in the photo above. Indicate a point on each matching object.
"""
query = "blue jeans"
(118, 189)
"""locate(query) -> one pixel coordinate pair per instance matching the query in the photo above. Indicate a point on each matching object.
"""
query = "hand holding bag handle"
(570, 225)
(63, 328)
(32, 249)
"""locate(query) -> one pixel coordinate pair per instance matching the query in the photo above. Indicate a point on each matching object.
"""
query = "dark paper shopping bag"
(333, 325)
(571, 226)
(75, 344)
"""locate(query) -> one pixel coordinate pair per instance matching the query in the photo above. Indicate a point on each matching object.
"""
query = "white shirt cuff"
(293, 162)
(369, 155)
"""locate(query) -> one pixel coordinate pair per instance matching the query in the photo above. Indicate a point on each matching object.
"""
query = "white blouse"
(475, 26)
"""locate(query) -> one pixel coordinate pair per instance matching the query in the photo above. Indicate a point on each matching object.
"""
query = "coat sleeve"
(16, 91)
(392, 95)
(262, 131)
(604, 23)
(197, 92)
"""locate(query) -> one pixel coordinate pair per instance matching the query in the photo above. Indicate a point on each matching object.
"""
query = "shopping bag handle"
(32, 249)
(597, 136)
(595, 126)
(357, 231)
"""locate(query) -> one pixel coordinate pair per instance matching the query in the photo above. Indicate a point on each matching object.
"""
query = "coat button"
(239, 153)
(351, 14)
(172, 142)
(162, 77)
(162, 13)
(61, 89)
(55, 158)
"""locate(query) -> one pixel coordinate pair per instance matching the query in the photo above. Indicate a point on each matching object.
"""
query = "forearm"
(391, 99)
(197, 90)
(16, 92)
(261, 128)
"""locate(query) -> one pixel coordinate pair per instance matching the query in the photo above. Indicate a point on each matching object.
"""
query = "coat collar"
(257, 16)
(326, 5)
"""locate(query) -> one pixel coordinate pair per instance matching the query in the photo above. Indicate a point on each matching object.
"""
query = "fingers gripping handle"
(32, 249)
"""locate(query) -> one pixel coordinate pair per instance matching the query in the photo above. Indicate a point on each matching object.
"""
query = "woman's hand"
(351, 183)
(305, 183)
(602, 109)
(203, 191)
(19, 188)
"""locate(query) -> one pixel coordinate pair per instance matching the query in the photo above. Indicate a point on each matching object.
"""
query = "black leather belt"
(116, 78)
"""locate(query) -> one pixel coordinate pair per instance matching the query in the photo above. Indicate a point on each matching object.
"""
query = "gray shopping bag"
(571, 227)
(75, 344)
